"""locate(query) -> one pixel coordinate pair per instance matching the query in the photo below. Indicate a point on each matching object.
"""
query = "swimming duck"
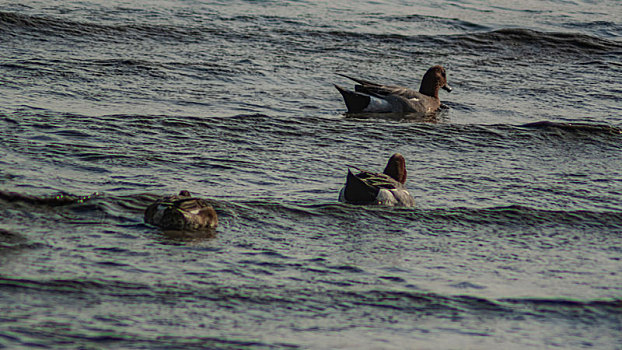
(370, 97)
(181, 212)
(386, 188)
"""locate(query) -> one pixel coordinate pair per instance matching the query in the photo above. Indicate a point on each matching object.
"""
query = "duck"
(181, 212)
(370, 97)
(386, 188)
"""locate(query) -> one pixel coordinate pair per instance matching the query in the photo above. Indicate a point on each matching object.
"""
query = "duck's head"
(435, 78)
(396, 168)
(184, 194)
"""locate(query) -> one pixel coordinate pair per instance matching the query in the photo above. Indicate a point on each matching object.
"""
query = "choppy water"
(515, 242)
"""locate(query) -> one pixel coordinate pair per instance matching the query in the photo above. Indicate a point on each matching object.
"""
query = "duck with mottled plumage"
(369, 97)
(386, 188)
(181, 212)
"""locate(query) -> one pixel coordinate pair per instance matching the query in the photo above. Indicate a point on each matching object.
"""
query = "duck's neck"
(428, 87)
(432, 92)
(396, 168)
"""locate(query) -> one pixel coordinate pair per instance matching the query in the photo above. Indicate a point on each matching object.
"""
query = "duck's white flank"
(395, 197)
(378, 105)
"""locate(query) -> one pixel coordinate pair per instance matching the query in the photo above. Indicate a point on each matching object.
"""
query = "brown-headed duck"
(181, 212)
(386, 188)
(370, 97)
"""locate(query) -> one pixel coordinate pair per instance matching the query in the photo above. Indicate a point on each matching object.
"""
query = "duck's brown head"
(396, 168)
(435, 78)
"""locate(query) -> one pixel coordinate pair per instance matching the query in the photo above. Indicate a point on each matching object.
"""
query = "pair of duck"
(185, 212)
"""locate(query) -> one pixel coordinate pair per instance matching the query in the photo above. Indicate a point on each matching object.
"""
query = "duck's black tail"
(355, 101)
(357, 191)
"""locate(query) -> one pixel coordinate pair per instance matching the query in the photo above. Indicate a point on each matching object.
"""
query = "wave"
(284, 125)
(603, 28)
(72, 141)
(521, 40)
(11, 241)
(587, 128)
(52, 201)
(57, 27)
(454, 23)
(476, 37)
(610, 304)
(504, 215)
(561, 42)
(407, 301)
(130, 208)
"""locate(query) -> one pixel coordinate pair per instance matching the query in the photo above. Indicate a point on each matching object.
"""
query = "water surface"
(515, 241)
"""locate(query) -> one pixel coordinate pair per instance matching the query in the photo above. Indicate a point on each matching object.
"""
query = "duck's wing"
(386, 90)
(376, 89)
(193, 206)
(377, 180)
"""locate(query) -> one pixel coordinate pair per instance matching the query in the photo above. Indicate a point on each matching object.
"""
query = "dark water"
(516, 240)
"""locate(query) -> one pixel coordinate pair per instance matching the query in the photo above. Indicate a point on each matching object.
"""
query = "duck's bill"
(447, 88)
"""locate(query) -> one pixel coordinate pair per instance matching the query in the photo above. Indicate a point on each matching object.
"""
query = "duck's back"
(181, 214)
(378, 98)
(385, 90)
(374, 188)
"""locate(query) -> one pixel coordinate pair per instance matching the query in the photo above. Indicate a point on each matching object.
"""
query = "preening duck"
(181, 212)
(386, 188)
(369, 97)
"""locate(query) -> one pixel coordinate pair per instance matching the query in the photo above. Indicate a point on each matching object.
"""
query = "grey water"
(515, 241)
